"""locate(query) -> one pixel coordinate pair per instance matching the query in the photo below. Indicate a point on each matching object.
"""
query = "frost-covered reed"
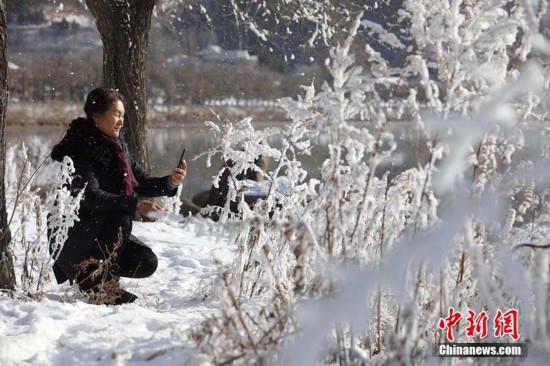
(34, 213)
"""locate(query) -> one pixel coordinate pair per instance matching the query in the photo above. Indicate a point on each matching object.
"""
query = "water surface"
(166, 143)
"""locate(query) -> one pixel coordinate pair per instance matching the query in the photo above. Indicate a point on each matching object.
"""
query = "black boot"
(89, 276)
(124, 298)
(101, 286)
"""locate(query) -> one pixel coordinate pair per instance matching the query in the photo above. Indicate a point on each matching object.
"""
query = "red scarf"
(118, 152)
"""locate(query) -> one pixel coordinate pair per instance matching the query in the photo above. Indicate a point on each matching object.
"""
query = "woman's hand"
(178, 175)
(145, 207)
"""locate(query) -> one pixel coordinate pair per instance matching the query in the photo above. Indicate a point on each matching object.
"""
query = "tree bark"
(124, 27)
(7, 275)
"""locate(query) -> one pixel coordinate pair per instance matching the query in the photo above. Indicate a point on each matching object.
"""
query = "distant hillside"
(186, 29)
(34, 12)
(56, 53)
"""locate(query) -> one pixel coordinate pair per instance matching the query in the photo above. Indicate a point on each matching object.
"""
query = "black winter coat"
(95, 168)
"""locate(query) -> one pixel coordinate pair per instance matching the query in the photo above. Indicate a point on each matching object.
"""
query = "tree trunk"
(7, 275)
(124, 28)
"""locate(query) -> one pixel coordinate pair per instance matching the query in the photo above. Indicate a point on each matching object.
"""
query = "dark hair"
(100, 100)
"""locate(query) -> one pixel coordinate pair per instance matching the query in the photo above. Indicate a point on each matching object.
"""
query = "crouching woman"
(100, 247)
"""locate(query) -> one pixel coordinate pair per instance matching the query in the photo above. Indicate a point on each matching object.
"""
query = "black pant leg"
(114, 234)
(137, 260)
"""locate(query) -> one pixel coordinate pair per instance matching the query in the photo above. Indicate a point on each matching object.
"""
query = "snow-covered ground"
(63, 329)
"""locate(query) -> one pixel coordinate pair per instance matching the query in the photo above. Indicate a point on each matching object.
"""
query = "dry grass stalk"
(101, 272)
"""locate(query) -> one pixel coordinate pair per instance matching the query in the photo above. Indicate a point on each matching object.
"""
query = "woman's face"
(111, 121)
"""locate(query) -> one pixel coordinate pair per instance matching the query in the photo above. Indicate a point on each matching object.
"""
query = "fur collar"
(84, 140)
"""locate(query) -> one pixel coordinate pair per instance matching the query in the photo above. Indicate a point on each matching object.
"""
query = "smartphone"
(181, 158)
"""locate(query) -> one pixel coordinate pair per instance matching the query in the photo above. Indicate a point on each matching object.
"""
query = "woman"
(100, 247)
